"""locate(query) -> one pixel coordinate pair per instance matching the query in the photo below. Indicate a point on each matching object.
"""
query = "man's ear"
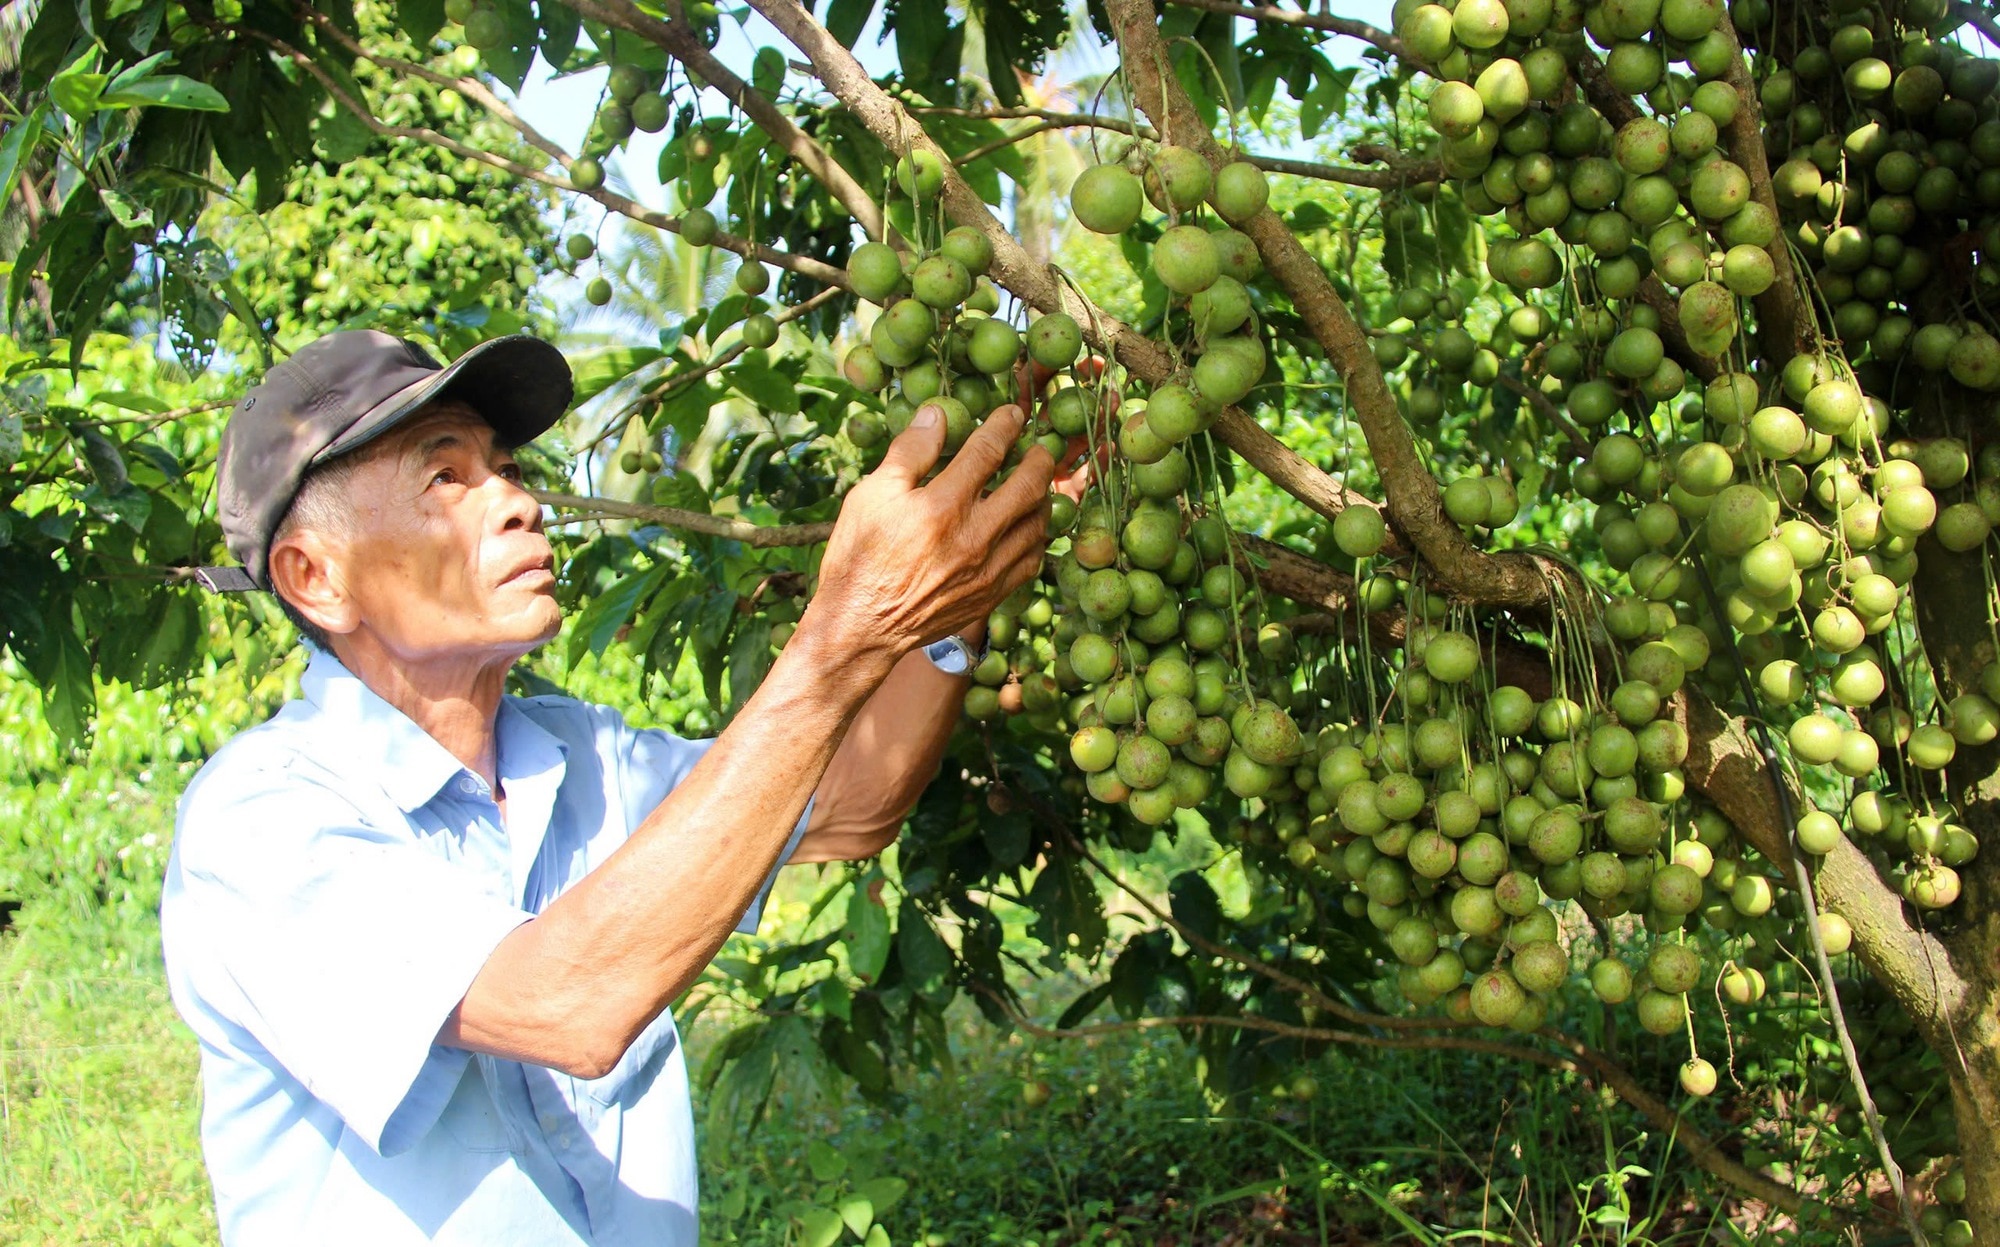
(304, 568)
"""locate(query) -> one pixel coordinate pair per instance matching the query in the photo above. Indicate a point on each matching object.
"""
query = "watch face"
(949, 656)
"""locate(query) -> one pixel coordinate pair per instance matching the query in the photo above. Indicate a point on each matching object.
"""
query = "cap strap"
(225, 580)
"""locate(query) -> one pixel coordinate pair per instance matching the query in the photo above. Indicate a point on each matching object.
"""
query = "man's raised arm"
(906, 563)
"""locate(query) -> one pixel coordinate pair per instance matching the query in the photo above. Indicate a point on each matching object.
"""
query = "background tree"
(1730, 741)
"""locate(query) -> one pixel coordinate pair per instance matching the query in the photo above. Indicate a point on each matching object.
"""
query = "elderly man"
(428, 934)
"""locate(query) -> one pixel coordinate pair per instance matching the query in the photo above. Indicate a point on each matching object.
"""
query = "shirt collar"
(387, 745)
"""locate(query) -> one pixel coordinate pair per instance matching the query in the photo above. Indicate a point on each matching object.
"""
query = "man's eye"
(443, 477)
(512, 471)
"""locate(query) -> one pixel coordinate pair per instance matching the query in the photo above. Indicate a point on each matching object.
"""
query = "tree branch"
(1785, 321)
(1272, 14)
(680, 39)
(762, 536)
(1402, 171)
(1415, 502)
(1033, 282)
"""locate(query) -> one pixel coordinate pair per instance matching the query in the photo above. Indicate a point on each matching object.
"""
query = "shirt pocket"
(635, 1070)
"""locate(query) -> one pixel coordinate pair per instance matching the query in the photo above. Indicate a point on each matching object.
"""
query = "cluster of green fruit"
(1804, 511)
(1208, 266)
(1464, 823)
(937, 339)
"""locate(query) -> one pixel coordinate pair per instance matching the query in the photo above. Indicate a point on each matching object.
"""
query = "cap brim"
(518, 384)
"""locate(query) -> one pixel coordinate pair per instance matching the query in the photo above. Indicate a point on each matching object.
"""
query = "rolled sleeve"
(340, 945)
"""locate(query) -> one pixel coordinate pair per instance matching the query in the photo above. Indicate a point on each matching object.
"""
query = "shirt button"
(549, 1123)
(468, 785)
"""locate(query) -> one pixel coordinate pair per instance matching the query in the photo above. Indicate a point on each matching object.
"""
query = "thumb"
(916, 449)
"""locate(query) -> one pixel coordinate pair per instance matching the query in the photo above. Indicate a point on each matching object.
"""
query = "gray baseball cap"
(342, 391)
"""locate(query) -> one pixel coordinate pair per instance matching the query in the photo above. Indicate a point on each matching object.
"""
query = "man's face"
(445, 556)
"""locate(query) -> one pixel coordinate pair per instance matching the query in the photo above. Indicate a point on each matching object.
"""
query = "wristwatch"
(954, 655)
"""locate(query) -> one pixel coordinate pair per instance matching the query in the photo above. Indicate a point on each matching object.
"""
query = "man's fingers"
(1019, 550)
(981, 456)
(916, 449)
(1025, 489)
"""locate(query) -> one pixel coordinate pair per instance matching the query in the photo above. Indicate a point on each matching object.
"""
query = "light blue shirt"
(337, 880)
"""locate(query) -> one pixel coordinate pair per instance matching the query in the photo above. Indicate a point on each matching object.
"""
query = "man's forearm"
(572, 988)
(890, 754)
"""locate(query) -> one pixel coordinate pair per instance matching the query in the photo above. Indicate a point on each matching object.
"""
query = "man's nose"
(517, 508)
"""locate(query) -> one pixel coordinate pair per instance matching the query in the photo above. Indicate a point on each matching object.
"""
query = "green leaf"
(19, 140)
(168, 91)
(884, 1192)
(826, 1161)
(420, 19)
(611, 610)
(1069, 913)
(1006, 836)
(1194, 905)
(768, 389)
(877, 1237)
(749, 661)
(126, 210)
(846, 18)
(170, 646)
(560, 25)
(143, 69)
(597, 371)
(921, 27)
(822, 1227)
(835, 998)
(1083, 1006)
(925, 958)
(77, 93)
(767, 71)
(857, 1212)
(69, 696)
(867, 932)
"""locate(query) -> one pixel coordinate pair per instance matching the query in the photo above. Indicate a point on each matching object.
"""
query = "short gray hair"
(320, 506)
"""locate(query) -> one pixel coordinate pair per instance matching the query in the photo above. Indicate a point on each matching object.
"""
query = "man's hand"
(909, 562)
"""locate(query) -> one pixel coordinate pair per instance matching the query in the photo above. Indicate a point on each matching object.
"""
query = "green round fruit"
(598, 292)
(752, 278)
(649, 113)
(1055, 340)
(579, 247)
(941, 282)
(699, 228)
(487, 30)
(1106, 199)
(1241, 191)
(920, 175)
(1360, 531)
(1222, 307)
(969, 248)
(1177, 179)
(994, 346)
(585, 174)
(1698, 1077)
(1185, 260)
(1480, 24)
(1611, 979)
(760, 331)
